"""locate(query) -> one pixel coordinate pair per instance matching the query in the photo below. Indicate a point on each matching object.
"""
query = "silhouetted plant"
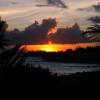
(13, 56)
(3, 27)
(92, 32)
(17, 56)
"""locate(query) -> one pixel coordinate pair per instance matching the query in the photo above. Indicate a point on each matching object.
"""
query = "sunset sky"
(58, 47)
(21, 13)
(76, 15)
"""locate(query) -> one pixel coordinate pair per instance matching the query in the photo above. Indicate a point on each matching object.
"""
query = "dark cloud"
(68, 35)
(95, 8)
(85, 9)
(38, 34)
(95, 19)
(34, 34)
(14, 2)
(57, 3)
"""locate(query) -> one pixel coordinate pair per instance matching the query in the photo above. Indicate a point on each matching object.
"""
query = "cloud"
(33, 34)
(38, 34)
(14, 3)
(89, 9)
(68, 35)
(95, 19)
(57, 3)
(9, 11)
(95, 8)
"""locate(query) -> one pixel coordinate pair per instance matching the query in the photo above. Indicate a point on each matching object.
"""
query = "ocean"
(62, 68)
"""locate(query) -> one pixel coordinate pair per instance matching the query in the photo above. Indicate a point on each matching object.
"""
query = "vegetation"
(92, 33)
(80, 55)
(3, 27)
(9, 57)
(38, 79)
(13, 71)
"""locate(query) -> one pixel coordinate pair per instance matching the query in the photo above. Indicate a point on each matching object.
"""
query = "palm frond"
(92, 32)
(19, 51)
(3, 27)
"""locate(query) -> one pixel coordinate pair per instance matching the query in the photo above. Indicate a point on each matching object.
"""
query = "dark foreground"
(38, 79)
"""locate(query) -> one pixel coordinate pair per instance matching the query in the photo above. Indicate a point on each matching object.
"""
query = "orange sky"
(58, 47)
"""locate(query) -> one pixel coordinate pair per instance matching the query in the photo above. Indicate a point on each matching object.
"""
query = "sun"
(48, 47)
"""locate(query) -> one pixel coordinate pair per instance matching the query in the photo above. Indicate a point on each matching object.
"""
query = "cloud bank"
(33, 34)
(68, 35)
(38, 34)
(57, 3)
(95, 19)
(95, 7)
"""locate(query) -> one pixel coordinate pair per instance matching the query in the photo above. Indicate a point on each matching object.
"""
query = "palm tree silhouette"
(16, 52)
(92, 32)
(3, 27)
(17, 56)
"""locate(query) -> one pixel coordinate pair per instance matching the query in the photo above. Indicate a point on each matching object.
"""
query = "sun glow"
(48, 47)
(57, 47)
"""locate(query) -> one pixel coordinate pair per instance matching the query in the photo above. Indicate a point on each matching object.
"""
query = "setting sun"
(48, 48)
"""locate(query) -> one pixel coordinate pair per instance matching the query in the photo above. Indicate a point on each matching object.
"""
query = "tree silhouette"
(13, 56)
(17, 56)
(92, 32)
(3, 27)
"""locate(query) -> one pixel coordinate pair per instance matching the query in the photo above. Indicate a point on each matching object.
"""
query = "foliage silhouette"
(13, 71)
(12, 56)
(41, 79)
(3, 27)
(80, 55)
(92, 32)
